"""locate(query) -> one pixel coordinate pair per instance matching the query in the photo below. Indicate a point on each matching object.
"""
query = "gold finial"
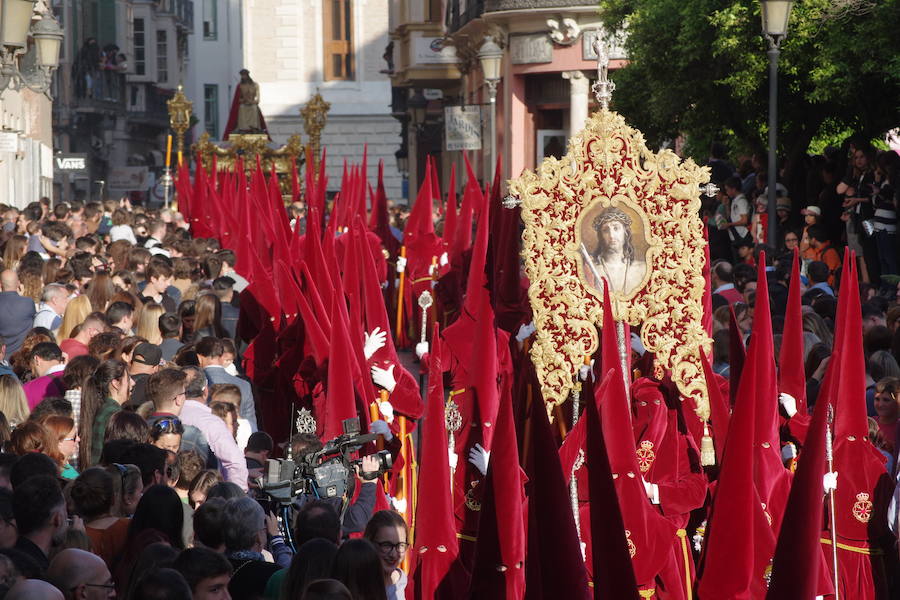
(179, 116)
(315, 114)
(603, 88)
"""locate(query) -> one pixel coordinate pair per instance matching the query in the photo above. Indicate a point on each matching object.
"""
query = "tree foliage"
(699, 67)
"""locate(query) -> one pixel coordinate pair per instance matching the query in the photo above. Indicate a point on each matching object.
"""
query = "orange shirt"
(830, 257)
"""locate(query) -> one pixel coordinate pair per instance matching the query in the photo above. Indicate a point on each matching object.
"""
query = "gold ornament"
(306, 422)
(645, 456)
(632, 549)
(862, 508)
(609, 175)
(471, 502)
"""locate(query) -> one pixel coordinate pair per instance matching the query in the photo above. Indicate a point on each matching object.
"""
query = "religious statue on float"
(245, 116)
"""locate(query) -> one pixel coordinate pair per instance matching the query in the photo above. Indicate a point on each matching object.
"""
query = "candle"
(169, 150)
(179, 158)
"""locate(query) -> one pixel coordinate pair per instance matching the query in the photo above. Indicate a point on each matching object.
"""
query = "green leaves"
(699, 67)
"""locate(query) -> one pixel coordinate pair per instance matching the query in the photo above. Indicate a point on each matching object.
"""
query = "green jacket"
(101, 419)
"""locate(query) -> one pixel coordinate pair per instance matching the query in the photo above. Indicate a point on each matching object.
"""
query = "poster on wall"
(462, 128)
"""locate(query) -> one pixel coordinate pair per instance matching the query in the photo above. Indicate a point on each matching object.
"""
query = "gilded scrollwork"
(247, 147)
(609, 174)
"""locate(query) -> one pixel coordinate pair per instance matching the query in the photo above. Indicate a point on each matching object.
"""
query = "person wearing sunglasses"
(166, 433)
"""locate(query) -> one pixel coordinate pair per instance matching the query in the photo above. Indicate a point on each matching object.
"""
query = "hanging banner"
(462, 128)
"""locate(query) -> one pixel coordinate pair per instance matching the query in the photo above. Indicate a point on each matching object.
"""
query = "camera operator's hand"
(384, 378)
(381, 428)
(272, 525)
(369, 465)
(480, 457)
(375, 341)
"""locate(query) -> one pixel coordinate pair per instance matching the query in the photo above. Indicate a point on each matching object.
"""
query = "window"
(140, 48)
(210, 19)
(338, 29)
(162, 56)
(211, 110)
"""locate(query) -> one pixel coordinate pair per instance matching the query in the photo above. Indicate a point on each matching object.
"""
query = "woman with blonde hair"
(148, 323)
(14, 251)
(77, 311)
(13, 403)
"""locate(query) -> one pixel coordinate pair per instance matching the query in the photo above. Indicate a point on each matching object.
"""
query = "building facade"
(543, 93)
(215, 56)
(26, 155)
(122, 60)
(294, 48)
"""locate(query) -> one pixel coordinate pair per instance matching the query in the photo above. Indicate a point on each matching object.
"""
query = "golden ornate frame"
(608, 163)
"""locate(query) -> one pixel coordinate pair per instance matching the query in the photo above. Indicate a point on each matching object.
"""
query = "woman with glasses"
(389, 533)
(166, 433)
(65, 431)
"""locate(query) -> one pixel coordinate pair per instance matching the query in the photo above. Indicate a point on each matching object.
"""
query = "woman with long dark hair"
(208, 322)
(314, 560)
(100, 291)
(102, 395)
(358, 566)
(389, 533)
(93, 497)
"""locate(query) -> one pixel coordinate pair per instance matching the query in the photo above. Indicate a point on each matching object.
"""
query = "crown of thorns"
(609, 215)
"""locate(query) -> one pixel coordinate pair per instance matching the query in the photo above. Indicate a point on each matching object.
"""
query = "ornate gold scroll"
(563, 206)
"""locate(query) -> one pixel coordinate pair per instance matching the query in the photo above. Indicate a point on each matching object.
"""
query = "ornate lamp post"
(315, 115)
(179, 117)
(775, 17)
(491, 55)
(37, 65)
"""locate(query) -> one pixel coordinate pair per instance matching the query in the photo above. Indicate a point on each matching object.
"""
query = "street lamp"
(491, 55)
(775, 17)
(15, 19)
(417, 105)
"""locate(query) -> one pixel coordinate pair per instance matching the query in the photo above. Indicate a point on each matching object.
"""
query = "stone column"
(578, 100)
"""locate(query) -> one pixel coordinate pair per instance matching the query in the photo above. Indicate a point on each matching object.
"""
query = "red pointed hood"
(791, 375)
(420, 222)
(500, 550)
(472, 201)
(379, 220)
(436, 546)
(795, 568)
(651, 534)
(613, 567)
(862, 476)
(340, 399)
(719, 409)
(450, 214)
(739, 541)
(769, 469)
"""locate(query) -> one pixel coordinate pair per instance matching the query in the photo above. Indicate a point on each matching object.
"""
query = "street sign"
(70, 163)
(462, 127)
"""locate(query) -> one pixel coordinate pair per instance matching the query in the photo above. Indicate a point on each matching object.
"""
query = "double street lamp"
(775, 17)
(38, 63)
(490, 55)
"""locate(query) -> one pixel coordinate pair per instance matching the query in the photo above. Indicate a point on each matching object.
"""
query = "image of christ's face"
(613, 237)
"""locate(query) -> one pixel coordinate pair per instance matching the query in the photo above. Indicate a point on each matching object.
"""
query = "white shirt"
(740, 208)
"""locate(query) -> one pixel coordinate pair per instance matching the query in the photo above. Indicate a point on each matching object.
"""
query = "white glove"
(381, 428)
(384, 378)
(387, 411)
(454, 459)
(480, 457)
(399, 505)
(585, 370)
(829, 481)
(232, 370)
(375, 341)
(525, 332)
(401, 264)
(789, 403)
(421, 349)
(443, 260)
(788, 452)
(652, 491)
(637, 346)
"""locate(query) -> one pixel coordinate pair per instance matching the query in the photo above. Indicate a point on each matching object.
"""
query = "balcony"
(98, 91)
(459, 17)
(147, 104)
(182, 10)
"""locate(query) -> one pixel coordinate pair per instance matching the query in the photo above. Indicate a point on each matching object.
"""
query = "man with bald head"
(81, 575)
(16, 312)
(34, 589)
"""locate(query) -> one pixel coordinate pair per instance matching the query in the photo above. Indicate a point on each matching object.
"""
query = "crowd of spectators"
(132, 450)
